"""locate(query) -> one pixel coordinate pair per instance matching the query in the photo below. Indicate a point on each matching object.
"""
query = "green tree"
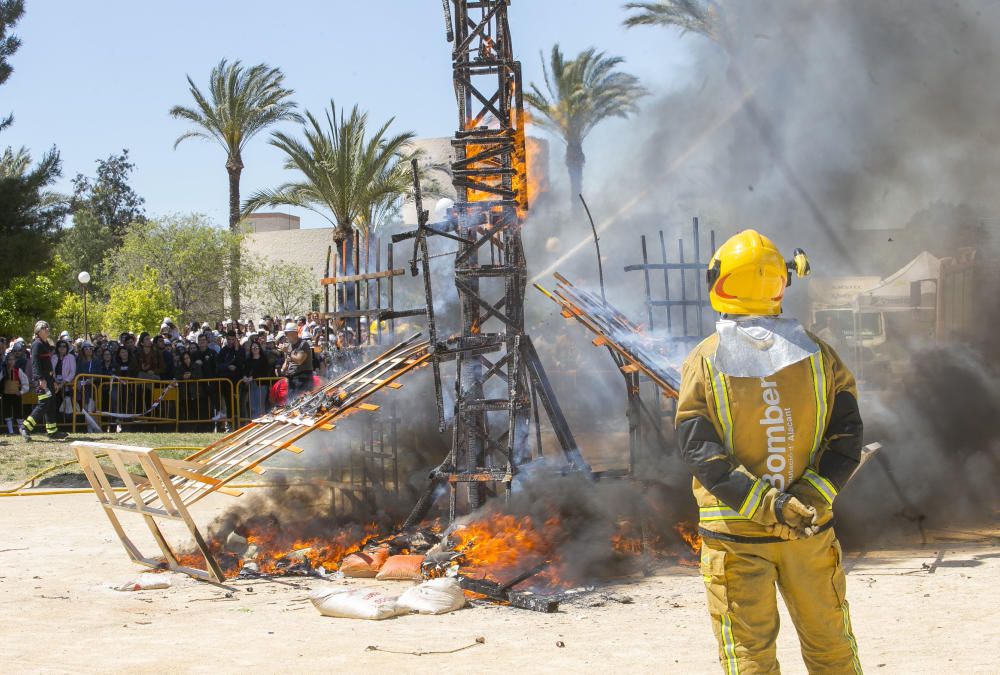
(186, 249)
(348, 177)
(11, 12)
(108, 197)
(285, 288)
(70, 316)
(582, 93)
(241, 103)
(26, 299)
(85, 246)
(139, 304)
(30, 214)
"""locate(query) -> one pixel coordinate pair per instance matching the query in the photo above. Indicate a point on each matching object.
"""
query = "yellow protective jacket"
(740, 435)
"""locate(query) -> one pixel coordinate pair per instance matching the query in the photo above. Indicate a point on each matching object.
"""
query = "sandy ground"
(915, 609)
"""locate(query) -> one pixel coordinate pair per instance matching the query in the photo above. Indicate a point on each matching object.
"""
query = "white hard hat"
(441, 209)
(291, 327)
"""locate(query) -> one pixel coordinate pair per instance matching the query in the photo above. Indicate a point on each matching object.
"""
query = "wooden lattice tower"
(498, 371)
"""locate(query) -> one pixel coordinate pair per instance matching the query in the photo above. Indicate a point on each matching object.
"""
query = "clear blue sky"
(95, 77)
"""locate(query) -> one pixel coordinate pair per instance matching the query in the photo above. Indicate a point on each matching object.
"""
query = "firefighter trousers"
(740, 579)
(45, 411)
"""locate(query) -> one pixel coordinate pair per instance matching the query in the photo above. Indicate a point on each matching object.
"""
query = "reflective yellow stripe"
(855, 661)
(721, 394)
(708, 514)
(752, 502)
(822, 485)
(42, 397)
(819, 394)
(729, 646)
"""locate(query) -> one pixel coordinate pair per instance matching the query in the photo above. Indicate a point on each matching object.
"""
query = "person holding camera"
(298, 361)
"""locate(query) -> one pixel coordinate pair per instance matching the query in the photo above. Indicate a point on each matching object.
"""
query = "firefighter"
(767, 420)
(43, 384)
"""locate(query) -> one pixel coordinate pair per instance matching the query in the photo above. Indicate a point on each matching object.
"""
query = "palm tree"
(353, 180)
(582, 93)
(242, 102)
(693, 16)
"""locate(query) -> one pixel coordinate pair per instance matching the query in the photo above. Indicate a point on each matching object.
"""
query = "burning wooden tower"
(500, 381)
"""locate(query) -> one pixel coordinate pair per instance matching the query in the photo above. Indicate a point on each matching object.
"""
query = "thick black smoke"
(864, 132)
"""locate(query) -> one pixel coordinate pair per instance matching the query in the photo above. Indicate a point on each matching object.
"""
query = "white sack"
(437, 596)
(355, 603)
(147, 581)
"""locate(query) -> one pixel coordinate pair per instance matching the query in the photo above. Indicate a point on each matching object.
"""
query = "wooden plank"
(111, 446)
(351, 314)
(191, 475)
(140, 481)
(330, 281)
(158, 483)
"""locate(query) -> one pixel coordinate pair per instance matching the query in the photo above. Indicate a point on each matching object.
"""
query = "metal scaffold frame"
(687, 318)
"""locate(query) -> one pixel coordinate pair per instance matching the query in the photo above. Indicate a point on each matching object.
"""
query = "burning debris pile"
(556, 534)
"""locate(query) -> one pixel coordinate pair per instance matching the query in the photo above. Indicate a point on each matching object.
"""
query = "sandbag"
(437, 596)
(362, 564)
(401, 568)
(355, 603)
(147, 581)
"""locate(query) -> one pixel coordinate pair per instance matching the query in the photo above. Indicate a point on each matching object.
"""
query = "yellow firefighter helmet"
(748, 275)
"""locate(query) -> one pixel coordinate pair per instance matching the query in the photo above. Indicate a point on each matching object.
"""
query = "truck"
(874, 323)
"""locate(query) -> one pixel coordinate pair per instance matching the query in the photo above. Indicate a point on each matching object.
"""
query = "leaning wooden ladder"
(166, 487)
(614, 331)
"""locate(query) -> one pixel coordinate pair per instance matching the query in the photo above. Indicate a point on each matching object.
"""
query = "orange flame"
(277, 551)
(501, 546)
(689, 533)
(626, 541)
(529, 178)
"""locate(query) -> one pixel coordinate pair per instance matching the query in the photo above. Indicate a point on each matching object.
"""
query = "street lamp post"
(84, 279)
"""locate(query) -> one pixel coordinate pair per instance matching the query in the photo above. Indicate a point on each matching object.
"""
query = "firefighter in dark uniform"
(43, 384)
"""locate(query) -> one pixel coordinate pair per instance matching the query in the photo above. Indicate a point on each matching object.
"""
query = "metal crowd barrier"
(113, 400)
(253, 398)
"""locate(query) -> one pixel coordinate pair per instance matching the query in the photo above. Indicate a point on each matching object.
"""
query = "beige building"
(272, 222)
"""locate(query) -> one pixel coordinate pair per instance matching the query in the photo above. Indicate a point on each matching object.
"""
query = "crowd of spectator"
(264, 361)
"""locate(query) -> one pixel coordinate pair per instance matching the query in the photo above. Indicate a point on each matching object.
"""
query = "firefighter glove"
(810, 496)
(788, 510)
(782, 508)
(784, 532)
